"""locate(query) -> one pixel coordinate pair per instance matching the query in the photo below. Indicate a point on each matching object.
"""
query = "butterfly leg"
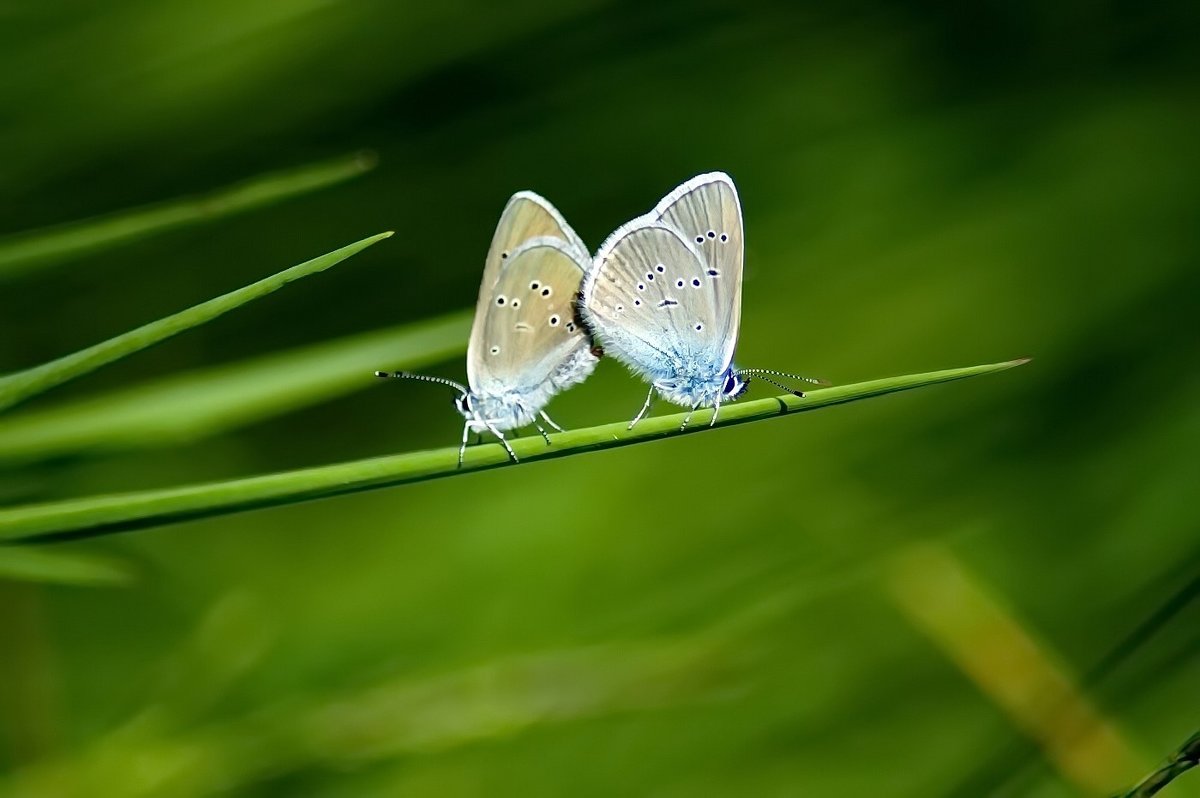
(545, 437)
(716, 410)
(500, 435)
(462, 450)
(688, 417)
(645, 408)
(550, 421)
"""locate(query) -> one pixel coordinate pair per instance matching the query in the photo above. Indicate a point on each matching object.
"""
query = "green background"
(924, 186)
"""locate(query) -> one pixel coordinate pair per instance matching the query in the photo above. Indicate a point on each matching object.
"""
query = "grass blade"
(106, 514)
(941, 597)
(77, 569)
(20, 386)
(25, 252)
(1183, 760)
(212, 401)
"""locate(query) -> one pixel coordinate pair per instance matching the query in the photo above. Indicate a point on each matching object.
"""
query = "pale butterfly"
(664, 295)
(527, 343)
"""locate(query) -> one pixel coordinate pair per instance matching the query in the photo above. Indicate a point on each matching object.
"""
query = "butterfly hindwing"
(647, 299)
(528, 333)
(665, 289)
(526, 216)
(706, 211)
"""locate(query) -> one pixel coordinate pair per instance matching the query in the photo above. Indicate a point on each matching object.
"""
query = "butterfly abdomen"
(576, 368)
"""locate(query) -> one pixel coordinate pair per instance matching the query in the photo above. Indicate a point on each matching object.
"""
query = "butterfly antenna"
(760, 372)
(813, 380)
(792, 391)
(406, 375)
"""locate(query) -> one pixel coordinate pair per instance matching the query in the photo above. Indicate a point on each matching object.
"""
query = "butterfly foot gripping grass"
(664, 295)
(527, 343)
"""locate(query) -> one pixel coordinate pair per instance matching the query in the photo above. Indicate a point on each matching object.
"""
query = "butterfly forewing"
(706, 211)
(652, 299)
(528, 328)
(526, 216)
(665, 289)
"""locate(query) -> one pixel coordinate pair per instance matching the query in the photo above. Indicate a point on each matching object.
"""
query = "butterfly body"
(506, 409)
(696, 385)
(664, 295)
(526, 343)
(503, 412)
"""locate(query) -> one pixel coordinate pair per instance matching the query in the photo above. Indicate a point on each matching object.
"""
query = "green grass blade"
(20, 386)
(24, 252)
(105, 514)
(76, 569)
(211, 401)
(1183, 760)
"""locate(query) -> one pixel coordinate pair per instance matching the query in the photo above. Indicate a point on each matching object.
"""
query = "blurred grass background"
(742, 613)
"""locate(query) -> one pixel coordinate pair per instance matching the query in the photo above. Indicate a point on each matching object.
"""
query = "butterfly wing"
(525, 217)
(647, 299)
(529, 339)
(662, 291)
(706, 212)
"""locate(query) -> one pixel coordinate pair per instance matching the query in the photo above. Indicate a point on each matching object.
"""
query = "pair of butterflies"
(663, 295)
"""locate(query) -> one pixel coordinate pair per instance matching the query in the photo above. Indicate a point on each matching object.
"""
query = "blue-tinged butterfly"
(664, 295)
(527, 343)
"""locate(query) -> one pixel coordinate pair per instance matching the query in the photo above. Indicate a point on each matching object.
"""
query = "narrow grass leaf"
(25, 252)
(106, 514)
(212, 401)
(60, 567)
(1180, 762)
(22, 385)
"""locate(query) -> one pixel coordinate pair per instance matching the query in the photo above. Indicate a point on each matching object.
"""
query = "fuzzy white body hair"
(506, 409)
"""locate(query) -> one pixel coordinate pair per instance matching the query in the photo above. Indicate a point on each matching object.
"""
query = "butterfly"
(527, 343)
(664, 295)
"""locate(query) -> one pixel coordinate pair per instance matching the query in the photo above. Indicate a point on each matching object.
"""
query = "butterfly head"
(735, 385)
(462, 403)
